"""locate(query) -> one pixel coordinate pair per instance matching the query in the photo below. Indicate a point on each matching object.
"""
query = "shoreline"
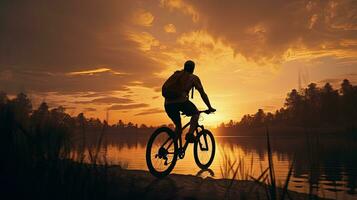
(140, 184)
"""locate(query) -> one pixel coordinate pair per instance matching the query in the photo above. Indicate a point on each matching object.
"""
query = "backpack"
(173, 87)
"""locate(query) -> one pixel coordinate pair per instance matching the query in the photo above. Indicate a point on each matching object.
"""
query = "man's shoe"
(190, 137)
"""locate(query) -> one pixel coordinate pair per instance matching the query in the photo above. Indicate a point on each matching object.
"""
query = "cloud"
(143, 17)
(128, 106)
(33, 81)
(47, 46)
(69, 107)
(337, 81)
(89, 109)
(150, 111)
(6, 75)
(265, 31)
(94, 94)
(182, 6)
(145, 40)
(94, 71)
(106, 100)
(127, 95)
(170, 28)
(99, 70)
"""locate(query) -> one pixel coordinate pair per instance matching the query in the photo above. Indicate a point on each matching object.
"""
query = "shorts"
(173, 110)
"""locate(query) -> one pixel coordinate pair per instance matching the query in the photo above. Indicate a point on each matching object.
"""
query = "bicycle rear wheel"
(204, 149)
(161, 152)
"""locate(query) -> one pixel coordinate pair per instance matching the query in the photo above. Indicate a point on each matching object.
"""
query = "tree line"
(20, 110)
(312, 106)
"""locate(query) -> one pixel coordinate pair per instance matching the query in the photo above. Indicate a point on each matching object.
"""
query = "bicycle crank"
(181, 153)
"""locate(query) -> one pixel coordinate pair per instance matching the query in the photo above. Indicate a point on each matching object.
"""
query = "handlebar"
(205, 111)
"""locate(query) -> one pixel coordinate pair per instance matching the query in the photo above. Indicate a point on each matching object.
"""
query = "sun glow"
(129, 51)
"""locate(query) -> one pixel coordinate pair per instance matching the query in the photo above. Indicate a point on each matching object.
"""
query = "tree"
(246, 121)
(294, 104)
(22, 108)
(348, 102)
(312, 105)
(329, 104)
(120, 124)
(143, 126)
(3, 98)
(346, 87)
(81, 120)
(259, 117)
(222, 125)
(130, 125)
(40, 116)
(230, 124)
(269, 118)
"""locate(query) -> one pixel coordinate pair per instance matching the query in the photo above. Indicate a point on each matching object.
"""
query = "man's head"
(189, 66)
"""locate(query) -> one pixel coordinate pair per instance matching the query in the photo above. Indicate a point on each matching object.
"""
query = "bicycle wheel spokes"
(204, 144)
(204, 149)
(160, 152)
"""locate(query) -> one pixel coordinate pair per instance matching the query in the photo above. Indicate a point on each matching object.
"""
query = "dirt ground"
(137, 184)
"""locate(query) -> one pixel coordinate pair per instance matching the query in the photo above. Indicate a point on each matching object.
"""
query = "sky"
(110, 58)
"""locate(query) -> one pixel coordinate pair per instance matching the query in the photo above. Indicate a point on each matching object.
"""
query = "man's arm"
(204, 97)
(203, 94)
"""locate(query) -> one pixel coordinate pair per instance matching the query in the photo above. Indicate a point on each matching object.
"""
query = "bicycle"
(170, 148)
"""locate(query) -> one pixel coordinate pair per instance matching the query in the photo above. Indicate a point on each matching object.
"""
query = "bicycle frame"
(179, 137)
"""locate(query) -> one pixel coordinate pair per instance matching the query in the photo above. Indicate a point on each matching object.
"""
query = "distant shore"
(139, 184)
(284, 130)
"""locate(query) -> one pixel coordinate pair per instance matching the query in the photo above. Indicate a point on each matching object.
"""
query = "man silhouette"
(176, 92)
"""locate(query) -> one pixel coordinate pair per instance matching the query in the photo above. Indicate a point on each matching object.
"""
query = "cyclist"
(176, 92)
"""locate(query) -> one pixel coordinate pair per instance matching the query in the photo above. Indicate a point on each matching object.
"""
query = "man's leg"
(178, 127)
(191, 110)
(193, 123)
(173, 112)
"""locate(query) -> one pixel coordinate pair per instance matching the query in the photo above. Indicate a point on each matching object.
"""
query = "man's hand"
(211, 110)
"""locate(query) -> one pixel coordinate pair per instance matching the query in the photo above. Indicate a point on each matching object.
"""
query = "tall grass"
(236, 170)
(38, 160)
(268, 177)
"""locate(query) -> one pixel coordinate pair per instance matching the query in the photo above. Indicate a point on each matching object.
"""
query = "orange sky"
(113, 56)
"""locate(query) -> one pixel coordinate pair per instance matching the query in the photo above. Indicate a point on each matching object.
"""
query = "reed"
(40, 163)
(236, 170)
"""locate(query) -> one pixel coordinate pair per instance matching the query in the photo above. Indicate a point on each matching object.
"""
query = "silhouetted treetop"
(310, 107)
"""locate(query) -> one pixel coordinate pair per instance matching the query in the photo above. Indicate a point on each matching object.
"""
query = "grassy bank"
(137, 184)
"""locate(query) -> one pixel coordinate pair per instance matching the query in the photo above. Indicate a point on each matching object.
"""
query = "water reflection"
(205, 173)
(324, 166)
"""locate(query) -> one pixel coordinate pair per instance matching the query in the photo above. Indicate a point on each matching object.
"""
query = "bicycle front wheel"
(161, 152)
(204, 149)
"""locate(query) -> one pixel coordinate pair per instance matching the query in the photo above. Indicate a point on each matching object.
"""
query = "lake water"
(323, 166)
